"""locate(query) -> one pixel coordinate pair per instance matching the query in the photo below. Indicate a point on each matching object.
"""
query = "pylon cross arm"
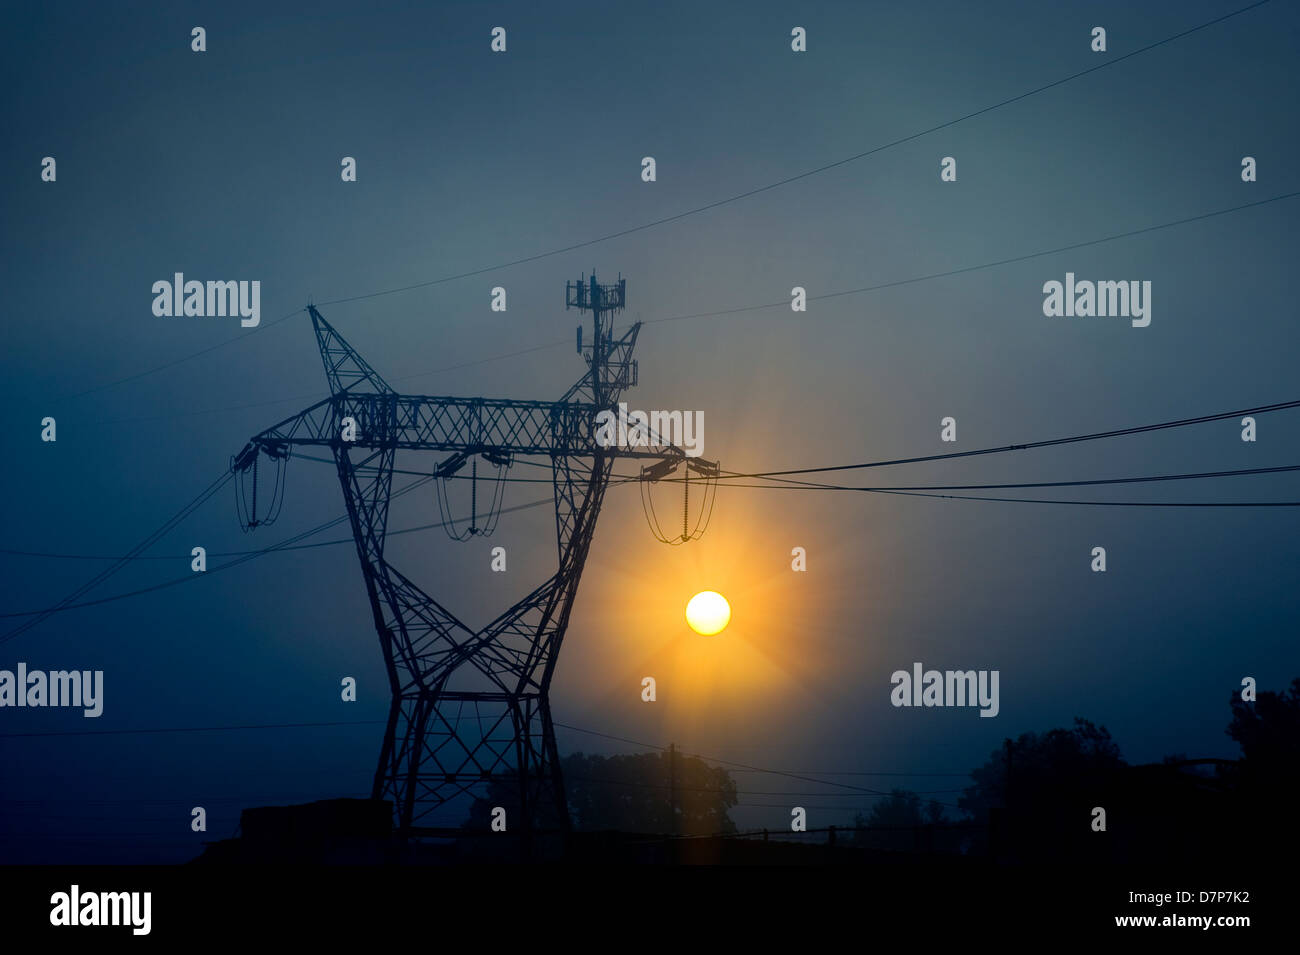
(473, 425)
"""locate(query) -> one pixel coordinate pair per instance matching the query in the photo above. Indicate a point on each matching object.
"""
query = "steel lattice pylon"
(469, 707)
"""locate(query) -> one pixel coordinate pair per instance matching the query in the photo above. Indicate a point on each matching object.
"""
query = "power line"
(171, 801)
(792, 486)
(39, 615)
(1109, 62)
(185, 358)
(914, 491)
(1052, 442)
(735, 311)
(167, 583)
(251, 555)
(1026, 500)
(713, 759)
(91, 838)
(314, 396)
(740, 792)
(108, 572)
(333, 723)
(265, 550)
(1030, 500)
(622, 479)
(842, 772)
(189, 729)
(785, 303)
(244, 556)
(919, 491)
(1193, 476)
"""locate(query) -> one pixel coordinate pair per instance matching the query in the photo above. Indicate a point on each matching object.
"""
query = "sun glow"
(708, 612)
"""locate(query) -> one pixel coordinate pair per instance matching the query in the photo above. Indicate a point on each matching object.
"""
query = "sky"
(225, 165)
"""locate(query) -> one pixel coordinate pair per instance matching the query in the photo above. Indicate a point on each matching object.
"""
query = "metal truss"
(469, 707)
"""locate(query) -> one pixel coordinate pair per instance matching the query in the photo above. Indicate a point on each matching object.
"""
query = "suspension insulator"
(706, 470)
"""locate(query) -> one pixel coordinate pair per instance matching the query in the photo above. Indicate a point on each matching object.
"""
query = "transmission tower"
(469, 707)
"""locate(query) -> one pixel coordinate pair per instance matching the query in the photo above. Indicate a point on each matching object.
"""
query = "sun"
(708, 613)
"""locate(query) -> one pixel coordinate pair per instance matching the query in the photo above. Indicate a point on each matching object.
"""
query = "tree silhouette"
(632, 793)
(893, 821)
(1266, 776)
(1035, 794)
(1268, 730)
